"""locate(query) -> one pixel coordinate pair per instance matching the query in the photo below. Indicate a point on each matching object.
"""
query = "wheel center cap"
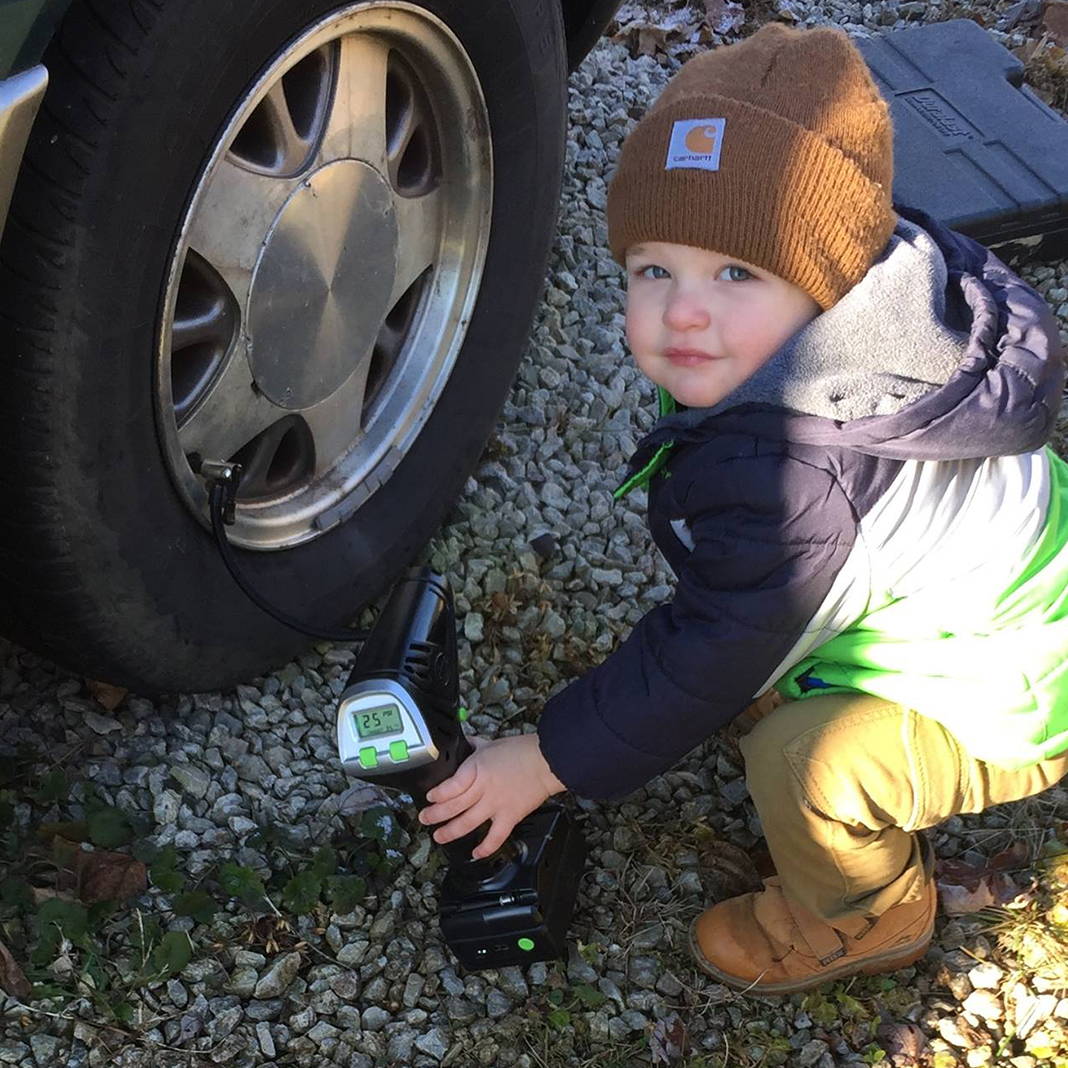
(321, 286)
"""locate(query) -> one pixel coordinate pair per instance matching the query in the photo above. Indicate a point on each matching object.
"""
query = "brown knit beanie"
(777, 150)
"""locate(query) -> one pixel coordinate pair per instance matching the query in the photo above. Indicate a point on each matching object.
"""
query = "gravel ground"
(547, 580)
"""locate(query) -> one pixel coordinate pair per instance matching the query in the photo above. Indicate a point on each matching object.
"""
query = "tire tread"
(41, 232)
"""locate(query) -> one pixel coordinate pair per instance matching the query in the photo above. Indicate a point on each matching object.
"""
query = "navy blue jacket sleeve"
(770, 533)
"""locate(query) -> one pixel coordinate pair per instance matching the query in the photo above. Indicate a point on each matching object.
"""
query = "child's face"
(700, 323)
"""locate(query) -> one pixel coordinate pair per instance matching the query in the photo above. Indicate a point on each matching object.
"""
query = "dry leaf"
(106, 695)
(645, 38)
(726, 870)
(905, 1044)
(650, 40)
(104, 876)
(1015, 858)
(958, 900)
(1055, 21)
(12, 979)
(97, 874)
(968, 887)
(668, 1040)
(724, 16)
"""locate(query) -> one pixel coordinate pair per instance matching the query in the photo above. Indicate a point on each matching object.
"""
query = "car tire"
(104, 566)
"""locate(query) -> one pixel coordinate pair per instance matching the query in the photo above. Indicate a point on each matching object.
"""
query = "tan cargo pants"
(842, 784)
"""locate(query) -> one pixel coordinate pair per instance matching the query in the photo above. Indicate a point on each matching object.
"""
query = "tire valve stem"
(227, 476)
(222, 477)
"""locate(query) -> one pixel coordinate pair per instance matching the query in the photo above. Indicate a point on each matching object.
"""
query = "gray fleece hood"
(939, 352)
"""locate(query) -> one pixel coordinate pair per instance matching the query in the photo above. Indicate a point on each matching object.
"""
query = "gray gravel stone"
(413, 989)
(374, 1018)
(243, 982)
(191, 779)
(264, 1010)
(986, 976)
(166, 807)
(433, 1043)
(223, 1023)
(266, 1040)
(497, 1004)
(45, 1050)
(278, 977)
(985, 1004)
(100, 724)
(812, 1053)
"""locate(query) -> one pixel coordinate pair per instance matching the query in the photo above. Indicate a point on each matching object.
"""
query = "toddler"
(850, 480)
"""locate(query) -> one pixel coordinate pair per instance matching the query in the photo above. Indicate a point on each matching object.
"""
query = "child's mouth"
(688, 357)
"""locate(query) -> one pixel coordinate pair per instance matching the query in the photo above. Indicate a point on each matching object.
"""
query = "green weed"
(91, 909)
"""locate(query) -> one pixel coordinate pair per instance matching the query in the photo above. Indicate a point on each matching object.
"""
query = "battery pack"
(973, 146)
(524, 918)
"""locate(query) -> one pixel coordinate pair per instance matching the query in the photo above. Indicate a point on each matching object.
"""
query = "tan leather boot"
(765, 943)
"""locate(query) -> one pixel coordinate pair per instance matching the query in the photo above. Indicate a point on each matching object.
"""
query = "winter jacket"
(874, 510)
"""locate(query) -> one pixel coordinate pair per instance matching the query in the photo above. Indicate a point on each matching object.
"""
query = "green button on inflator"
(526, 944)
(398, 752)
(368, 757)
(462, 714)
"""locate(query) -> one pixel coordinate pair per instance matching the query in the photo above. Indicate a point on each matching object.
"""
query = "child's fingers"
(446, 810)
(495, 837)
(454, 785)
(462, 824)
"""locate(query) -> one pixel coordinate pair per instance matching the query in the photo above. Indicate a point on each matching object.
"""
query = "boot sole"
(890, 961)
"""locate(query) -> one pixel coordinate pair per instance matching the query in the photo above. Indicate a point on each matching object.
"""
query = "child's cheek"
(628, 324)
(636, 326)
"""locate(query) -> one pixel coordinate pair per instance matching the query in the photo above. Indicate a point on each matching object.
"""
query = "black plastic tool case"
(973, 146)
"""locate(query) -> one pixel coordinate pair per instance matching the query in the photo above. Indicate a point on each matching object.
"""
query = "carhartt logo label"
(701, 140)
(696, 143)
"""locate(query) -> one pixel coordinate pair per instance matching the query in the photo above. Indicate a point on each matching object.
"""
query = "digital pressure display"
(384, 719)
(381, 731)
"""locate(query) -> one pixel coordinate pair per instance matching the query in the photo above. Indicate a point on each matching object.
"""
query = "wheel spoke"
(230, 415)
(356, 124)
(418, 237)
(275, 459)
(336, 423)
(291, 149)
(232, 218)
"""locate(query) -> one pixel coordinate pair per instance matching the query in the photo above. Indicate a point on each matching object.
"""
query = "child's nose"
(684, 313)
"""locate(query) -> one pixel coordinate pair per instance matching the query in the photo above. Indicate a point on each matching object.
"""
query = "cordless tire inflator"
(399, 725)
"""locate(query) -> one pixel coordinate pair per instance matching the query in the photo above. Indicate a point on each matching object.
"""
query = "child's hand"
(502, 781)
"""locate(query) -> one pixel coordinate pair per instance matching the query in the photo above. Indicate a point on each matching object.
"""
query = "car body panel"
(20, 97)
(26, 27)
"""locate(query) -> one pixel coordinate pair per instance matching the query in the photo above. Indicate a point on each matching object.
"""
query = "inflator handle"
(413, 642)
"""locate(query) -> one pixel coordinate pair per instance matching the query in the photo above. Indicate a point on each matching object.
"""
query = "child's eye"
(640, 272)
(734, 273)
